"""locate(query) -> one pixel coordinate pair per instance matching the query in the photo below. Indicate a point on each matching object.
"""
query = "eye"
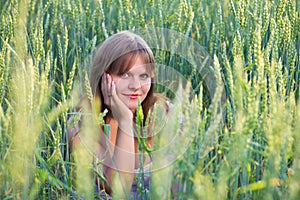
(125, 75)
(144, 76)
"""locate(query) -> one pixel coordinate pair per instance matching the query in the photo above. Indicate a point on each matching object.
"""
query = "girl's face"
(133, 84)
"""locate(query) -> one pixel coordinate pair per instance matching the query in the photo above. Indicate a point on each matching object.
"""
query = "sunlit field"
(241, 133)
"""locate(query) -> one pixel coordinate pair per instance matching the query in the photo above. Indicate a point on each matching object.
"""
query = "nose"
(134, 84)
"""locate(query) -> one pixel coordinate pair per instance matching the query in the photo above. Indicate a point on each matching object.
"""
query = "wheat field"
(243, 142)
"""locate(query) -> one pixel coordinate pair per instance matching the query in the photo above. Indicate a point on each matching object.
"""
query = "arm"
(120, 163)
(122, 160)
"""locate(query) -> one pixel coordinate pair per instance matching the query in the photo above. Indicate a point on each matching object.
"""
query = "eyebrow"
(144, 71)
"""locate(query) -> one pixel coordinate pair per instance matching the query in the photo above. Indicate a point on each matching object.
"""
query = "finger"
(113, 89)
(109, 81)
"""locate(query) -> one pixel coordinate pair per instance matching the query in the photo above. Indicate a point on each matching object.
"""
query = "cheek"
(146, 88)
(118, 83)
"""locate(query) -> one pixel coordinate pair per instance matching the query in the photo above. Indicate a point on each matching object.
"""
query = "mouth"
(133, 96)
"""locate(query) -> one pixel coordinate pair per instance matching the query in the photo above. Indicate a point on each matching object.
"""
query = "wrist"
(126, 126)
(125, 121)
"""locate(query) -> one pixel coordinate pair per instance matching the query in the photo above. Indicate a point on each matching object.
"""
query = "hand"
(119, 110)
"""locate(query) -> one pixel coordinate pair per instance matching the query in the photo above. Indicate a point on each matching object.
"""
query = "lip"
(133, 96)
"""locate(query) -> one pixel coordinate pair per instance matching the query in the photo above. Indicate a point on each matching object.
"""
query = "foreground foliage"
(250, 150)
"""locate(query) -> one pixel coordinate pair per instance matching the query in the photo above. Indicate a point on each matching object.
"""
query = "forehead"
(126, 62)
(139, 65)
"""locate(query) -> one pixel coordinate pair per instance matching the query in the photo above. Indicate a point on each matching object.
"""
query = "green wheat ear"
(100, 118)
(139, 114)
(59, 35)
(140, 127)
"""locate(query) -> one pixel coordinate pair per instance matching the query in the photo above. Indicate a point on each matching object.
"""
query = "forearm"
(124, 155)
(123, 158)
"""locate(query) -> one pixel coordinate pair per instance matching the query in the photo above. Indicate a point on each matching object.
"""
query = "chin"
(132, 104)
(132, 107)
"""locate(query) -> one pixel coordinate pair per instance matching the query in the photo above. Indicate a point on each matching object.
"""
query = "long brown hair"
(116, 55)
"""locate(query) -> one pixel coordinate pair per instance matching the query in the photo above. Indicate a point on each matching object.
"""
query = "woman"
(122, 75)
